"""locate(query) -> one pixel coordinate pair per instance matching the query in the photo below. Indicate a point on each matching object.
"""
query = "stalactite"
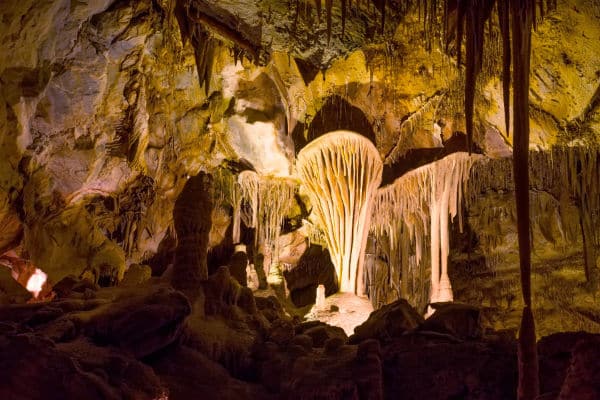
(341, 171)
(227, 192)
(296, 16)
(522, 21)
(568, 175)
(318, 6)
(504, 22)
(314, 234)
(417, 206)
(344, 12)
(383, 8)
(460, 23)
(581, 175)
(269, 198)
(248, 184)
(236, 202)
(477, 14)
(137, 140)
(329, 13)
(204, 51)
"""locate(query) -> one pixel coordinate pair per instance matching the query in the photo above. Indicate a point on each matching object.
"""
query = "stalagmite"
(341, 171)
(320, 298)
(191, 217)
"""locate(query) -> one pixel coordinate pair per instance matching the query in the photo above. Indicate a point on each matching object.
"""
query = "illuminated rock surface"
(109, 109)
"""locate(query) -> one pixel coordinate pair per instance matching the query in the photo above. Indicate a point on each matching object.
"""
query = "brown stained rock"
(127, 376)
(582, 380)
(320, 333)
(333, 345)
(304, 341)
(459, 320)
(388, 322)
(141, 322)
(291, 247)
(339, 374)
(64, 287)
(368, 349)
(41, 370)
(189, 374)
(555, 353)
(192, 219)
(221, 292)
(417, 367)
(237, 266)
(281, 332)
(136, 274)
(270, 307)
(246, 300)
(45, 314)
(312, 268)
(12, 228)
(59, 330)
(226, 324)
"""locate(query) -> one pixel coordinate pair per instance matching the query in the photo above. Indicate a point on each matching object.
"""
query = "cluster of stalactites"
(418, 206)
(563, 170)
(269, 199)
(341, 172)
(570, 175)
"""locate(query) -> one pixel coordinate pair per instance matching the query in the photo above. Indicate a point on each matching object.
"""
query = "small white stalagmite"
(341, 172)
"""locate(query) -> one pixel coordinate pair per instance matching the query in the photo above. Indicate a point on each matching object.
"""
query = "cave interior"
(300, 199)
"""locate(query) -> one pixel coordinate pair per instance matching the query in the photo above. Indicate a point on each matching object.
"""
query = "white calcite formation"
(341, 172)
(269, 199)
(417, 206)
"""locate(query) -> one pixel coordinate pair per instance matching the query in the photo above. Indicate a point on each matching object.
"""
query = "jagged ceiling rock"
(303, 29)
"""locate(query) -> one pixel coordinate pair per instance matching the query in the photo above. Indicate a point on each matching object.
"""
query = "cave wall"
(103, 120)
(103, 117)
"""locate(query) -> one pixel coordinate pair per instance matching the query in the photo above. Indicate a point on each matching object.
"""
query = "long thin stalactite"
(522, 14)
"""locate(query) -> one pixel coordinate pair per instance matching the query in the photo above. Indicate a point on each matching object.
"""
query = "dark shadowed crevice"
(336, 114)
(415, 158)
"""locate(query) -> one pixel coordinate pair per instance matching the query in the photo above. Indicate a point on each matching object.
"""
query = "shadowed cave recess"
(300, 199)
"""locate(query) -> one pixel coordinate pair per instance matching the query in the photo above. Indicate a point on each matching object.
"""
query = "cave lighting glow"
(36, 282)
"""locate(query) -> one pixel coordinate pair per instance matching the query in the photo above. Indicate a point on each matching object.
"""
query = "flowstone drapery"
(341, 172)
(416, 206)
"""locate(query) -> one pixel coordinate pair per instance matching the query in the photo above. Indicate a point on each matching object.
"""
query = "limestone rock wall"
(101, 121)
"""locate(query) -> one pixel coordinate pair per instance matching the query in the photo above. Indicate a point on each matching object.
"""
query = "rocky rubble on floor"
(388, 322)
(148, 342)
(76, 348)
